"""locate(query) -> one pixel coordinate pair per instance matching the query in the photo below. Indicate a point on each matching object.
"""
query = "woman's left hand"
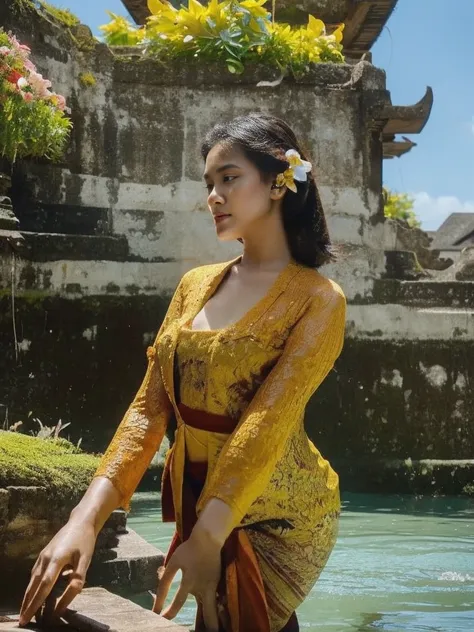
(199, 559)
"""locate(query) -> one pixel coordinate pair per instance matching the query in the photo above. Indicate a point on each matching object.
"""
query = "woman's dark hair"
(264, 139)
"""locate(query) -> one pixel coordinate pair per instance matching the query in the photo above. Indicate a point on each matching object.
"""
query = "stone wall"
(130, 192)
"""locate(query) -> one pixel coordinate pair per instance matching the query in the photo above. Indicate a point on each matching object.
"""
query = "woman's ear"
(277, 192)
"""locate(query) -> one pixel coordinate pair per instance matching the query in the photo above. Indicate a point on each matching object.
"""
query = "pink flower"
(4, 50)
(39, 85)
(27, 96)
(59, 101)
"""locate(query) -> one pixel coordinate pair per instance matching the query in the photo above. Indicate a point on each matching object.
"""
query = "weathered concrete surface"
(83, 364)
(397, 399)
(96, 610)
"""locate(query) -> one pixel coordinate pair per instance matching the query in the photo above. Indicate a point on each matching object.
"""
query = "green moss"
(55, 464)
(87, 79)
(83, 39)
(468, 489)
(23, 5)
(64, 16)
(30, 296)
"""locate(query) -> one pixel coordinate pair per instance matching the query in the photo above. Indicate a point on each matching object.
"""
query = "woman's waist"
(205, 420)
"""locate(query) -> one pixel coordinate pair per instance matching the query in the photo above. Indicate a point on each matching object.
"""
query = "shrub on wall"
(33, 119)
(230, 31)
(400, 206)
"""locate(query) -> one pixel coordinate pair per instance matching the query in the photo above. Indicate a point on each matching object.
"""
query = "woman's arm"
(248, 459)
(142, 429)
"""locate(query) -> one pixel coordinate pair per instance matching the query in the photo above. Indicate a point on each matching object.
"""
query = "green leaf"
(235, 66)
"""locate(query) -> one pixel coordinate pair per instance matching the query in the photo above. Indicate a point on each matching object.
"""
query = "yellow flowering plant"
(234, 32)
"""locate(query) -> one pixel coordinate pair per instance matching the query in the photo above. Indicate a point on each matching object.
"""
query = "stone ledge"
(66, 247)
(404, 322)
(96, 610)
(133, 570)
(424, 293)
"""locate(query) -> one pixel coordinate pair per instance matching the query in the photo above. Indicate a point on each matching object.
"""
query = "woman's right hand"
(71, 549)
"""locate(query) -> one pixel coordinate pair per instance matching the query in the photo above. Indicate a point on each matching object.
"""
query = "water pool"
(401, 564)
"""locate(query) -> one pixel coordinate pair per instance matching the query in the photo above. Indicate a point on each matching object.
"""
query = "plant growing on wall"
(64, 16)
(33, 119)
(228, 31)
(400, 206)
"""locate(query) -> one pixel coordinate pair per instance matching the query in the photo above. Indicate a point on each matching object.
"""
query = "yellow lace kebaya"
(260, 372)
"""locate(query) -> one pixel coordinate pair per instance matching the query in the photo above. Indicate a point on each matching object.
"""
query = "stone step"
(59, 246)
(426, 293)
(133, 570)
(97, 610)
(404, 323)
(73, 278)
(60, 218)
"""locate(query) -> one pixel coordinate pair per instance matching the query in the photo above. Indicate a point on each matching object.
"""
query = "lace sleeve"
(248, 459)
(143, 426)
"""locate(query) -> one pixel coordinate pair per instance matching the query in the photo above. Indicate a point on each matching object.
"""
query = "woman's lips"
(219, 218)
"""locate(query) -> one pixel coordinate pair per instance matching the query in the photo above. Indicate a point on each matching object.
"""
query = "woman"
(242, 348)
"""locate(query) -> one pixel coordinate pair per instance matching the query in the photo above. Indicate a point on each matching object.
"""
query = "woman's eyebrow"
(223, 168)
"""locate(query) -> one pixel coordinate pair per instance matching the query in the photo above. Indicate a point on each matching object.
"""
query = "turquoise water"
(401, 564)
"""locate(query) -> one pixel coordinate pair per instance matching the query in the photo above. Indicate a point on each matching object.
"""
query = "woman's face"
(238, 197)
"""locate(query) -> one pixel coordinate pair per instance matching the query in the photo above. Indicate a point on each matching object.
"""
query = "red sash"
(241, 586)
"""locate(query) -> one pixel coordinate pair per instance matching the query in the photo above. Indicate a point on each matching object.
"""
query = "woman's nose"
(215, 197)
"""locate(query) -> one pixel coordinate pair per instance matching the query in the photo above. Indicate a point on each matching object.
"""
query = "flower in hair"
(297, 170)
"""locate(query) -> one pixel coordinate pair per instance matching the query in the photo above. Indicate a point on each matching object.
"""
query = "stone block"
(97, 610)
(117, 521)
(134, 569)
(4, 499)
(465, 265)
(30, 502)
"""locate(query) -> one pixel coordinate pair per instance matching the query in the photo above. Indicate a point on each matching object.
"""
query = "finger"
(177, 603)
(209, 611)
(32, 587)
(164, 586)
(76, 584)
(76, 578)
(46, 582)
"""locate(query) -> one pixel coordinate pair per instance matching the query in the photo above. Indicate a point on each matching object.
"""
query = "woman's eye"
(231, 178)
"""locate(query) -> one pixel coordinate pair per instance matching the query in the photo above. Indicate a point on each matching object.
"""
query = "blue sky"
(418, 47)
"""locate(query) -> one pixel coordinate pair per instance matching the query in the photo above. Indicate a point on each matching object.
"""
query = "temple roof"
(404, 119)
(455, 233)
(364, 23)
(364, 19)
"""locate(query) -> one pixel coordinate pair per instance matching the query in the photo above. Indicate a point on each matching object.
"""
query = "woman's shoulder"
(317, 286)
(206, 271)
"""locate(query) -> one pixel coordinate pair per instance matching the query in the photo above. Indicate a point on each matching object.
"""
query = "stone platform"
(97, 610)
